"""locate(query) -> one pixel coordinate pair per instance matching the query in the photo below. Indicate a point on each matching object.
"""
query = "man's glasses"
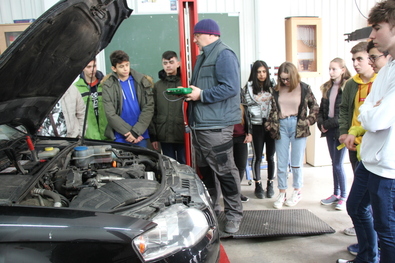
(284, 80)
(373, 58)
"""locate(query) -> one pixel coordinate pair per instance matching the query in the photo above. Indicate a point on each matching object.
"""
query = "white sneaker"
(344, 261)
(350, 231)
(295, 198)
(280, 201)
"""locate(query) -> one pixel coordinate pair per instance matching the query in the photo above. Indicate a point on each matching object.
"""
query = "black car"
(76, 200)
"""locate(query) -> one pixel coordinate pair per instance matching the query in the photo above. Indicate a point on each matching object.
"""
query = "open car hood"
(40, 65)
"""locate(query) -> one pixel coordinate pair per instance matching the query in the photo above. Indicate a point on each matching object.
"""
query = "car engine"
(97, 177)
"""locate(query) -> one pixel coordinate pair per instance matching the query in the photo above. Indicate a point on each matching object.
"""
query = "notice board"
(145, 37)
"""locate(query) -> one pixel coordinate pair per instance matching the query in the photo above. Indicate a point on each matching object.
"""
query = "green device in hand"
(179, 91)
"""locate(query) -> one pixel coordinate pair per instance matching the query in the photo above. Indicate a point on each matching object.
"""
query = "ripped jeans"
(290, 150)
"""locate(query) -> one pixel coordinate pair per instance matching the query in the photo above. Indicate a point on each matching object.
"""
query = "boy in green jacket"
(91, 89)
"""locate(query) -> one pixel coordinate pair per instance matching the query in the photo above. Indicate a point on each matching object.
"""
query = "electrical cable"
(359, 9)
(180, 98)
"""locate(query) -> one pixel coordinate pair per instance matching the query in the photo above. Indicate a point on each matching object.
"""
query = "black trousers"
(240, 153)
(261, 138)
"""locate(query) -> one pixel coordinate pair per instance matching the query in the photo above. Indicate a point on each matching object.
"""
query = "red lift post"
(187, 18)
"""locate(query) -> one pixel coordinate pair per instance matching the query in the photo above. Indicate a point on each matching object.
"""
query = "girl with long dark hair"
(257, 95)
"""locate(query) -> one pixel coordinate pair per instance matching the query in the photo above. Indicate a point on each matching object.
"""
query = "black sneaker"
(269, 189)
(259, 192)
(244, 198)
(232, 227)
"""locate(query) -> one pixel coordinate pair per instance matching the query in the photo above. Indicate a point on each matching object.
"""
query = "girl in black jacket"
(329, 126)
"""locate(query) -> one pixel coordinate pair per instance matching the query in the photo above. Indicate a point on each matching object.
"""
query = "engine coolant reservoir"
(48, 152)
(85, 155)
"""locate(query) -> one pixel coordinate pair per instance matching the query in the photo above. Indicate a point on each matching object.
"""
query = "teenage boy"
(377, 60)
(90, 88)
(377, 167)
(354, 94)
(128, 102)
(167, 127)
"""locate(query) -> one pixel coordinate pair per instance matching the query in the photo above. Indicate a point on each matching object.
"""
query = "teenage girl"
(241, 136)
(257, 95)
(293, 110)
(328, 124)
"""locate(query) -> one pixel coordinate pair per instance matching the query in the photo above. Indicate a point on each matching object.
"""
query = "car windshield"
(8, 133)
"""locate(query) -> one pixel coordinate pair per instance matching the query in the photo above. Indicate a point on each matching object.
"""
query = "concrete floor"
(318, 184)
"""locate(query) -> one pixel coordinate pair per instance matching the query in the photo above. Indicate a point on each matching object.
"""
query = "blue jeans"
(358, 208)
(142, 143)
(337, 157)
(382, 196)
(174, 150)
(353, 160)
(298, 146)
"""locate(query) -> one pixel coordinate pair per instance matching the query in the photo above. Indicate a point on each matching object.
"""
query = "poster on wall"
(157, 6)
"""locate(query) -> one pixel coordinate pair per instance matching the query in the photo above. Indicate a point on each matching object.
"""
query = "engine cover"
(115, 193)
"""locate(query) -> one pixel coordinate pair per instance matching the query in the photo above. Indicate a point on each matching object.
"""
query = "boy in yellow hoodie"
(354, 94)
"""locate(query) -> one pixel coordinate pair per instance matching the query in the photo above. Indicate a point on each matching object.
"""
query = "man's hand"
(323, 129)
(342, 138)
(129, 137)
(194, 95)
(155, 145)
(349, 142)
(139, 139)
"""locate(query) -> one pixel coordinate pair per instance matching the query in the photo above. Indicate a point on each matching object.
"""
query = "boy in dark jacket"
(167, 127)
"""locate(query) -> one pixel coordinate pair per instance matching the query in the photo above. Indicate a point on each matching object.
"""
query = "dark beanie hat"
(207, 26)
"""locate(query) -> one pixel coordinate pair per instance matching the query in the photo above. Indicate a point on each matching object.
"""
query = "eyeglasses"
(373, 58)
(284, 80)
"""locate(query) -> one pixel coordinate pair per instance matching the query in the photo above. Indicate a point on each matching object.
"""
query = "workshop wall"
(260, 32)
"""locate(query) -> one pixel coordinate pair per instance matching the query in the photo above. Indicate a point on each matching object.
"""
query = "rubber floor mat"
(277, 223)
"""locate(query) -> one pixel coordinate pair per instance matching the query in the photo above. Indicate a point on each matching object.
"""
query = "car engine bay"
(97, 177)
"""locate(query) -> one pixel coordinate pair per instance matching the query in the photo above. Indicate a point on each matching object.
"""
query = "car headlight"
(178, 227)
(203, 193)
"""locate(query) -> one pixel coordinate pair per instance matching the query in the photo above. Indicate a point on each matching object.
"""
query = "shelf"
(303, 38)
(9, 32)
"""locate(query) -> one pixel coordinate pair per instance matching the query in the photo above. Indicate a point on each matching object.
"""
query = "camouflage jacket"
(308, 101)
